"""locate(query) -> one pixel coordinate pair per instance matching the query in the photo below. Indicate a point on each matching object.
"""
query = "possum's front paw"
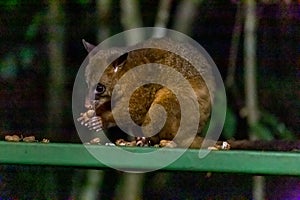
(167, 143)
(90, 120)
(95, 123)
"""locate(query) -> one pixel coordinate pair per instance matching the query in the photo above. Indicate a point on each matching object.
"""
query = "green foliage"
(261, 131)
(8, 66)
(26, 56)
(10, 4)
(267, 128)
(82, 2)
(10, 63)
(230, 125)
(278, 128)
(33, 28)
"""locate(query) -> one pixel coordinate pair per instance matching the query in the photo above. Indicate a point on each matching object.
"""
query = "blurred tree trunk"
(95, 178)
(56, 93)
(131, 18)
(103, 11)
(92, 186)
(250, 64)
(162, 17)
(131, 187)
(234, 47)
(185, 15)
(250, 61)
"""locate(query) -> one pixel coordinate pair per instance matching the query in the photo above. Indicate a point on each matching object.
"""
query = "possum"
(142, 106)
(145, 99)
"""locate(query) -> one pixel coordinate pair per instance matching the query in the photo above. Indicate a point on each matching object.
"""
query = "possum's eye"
(100, 89)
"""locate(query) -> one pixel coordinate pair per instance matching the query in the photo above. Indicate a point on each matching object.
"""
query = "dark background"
(27, 90)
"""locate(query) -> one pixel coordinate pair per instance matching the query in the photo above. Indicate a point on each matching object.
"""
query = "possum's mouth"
(97, 116)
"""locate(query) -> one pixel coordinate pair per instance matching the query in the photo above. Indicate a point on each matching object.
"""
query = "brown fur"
(145, 98)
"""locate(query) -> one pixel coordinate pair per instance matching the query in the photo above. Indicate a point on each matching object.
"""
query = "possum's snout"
(90, 97)
(91, 104)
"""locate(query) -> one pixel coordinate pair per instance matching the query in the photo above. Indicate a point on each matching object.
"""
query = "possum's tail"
(273, 145)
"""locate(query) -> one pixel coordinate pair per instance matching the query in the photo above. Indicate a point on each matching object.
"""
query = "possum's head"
(101, 75)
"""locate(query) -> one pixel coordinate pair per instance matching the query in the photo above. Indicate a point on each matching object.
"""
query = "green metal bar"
(77, 155)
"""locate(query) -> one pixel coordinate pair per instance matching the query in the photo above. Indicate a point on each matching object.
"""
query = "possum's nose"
(88, 103)
(89, 100)
(91, 104)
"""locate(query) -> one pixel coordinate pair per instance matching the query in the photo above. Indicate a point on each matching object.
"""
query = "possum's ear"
(120, 61)
(89, 47)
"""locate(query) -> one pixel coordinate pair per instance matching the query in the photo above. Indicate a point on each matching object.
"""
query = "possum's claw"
(95, 123)
(96, 128)
(95, 120)
(90, 120)
(85, 117)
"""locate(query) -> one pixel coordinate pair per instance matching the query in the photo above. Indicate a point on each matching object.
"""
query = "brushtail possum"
(143, 102)
(145, 99)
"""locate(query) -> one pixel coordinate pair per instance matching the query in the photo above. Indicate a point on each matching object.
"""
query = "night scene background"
(41, 52)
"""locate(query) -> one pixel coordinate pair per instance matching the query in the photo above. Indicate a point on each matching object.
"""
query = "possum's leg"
(165, 98)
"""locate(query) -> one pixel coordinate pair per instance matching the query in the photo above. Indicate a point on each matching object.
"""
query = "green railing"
(77, 155)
